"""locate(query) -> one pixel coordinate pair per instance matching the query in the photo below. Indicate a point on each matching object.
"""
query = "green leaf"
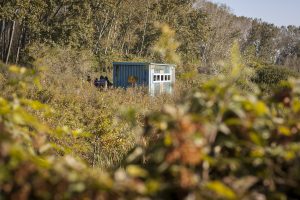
(221, 189)
(152, 186)
(284, 130)
(261, 108)
(168, 139)
(136, 171)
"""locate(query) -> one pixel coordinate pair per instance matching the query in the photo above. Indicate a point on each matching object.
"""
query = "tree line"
(128, 28)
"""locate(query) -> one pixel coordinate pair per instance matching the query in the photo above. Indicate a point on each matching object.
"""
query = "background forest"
(230, 130)
(126, 30)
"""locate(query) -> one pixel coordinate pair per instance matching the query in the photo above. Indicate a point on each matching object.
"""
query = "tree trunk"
(145, 27)
(20, 44)
(114, 36)
(105, 25)
(3, 40)
(2, 30)
(108, 39)
(5, 37)
(10, 41)
(101, 33)
(122, 46)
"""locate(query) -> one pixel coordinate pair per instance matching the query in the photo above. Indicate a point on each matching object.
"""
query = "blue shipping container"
(158, 78)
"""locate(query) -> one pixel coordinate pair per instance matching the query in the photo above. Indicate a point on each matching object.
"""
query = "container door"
(151, 81)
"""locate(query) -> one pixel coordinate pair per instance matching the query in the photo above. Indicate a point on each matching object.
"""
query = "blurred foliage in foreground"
(220, 142)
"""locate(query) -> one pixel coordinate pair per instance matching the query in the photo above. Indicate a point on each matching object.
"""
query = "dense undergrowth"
(77, 105)
(61, 138)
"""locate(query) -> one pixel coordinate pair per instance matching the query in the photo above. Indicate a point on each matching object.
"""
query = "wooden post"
(105, 85)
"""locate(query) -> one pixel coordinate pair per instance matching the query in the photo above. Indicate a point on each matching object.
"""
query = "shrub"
(219, 143)
(29, 168)
(270, 77)
(78, 105)
(223, 143)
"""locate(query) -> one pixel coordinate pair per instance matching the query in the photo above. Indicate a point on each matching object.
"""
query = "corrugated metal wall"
(146, 74)
(122, 71)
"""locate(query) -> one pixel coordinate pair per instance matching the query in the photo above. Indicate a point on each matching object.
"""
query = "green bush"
(29, 167)
(223, 143)
(270, 77)
(219, 143)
